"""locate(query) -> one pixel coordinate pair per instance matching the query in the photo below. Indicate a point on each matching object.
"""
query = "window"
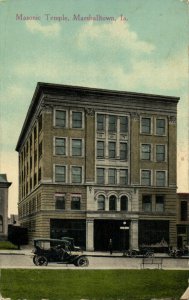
(160, 152)
(112, 149)
(159, 203)
(124, 203)
(76, 119)
(112, 176)
(76, 147)
(60, 146)
(100, 149)
(76, 202)
(1, 224)
(160, 178)
(101, 202)
(123, 151)
(146, 151)
(39, 175)
(124, 177)
(112, 124)
(60, 202)
(60, 174)
(184, 211)
(40, 148)
(112, 202)
(146, 125)
(100, 175)
(60, 118)
(146, 177)
(147, 203)
(100, 122)
(123, 124)
(40, 123)
(160, 126)
(76, 174)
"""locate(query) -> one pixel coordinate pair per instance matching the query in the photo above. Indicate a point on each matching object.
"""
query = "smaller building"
(4, 186)
(183, 220)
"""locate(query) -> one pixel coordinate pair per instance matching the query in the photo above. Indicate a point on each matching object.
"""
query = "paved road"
(95, 262)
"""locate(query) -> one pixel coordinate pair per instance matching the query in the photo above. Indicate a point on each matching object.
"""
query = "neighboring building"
(183, 220)
(4, 186)
(13, 220)
(91, 159)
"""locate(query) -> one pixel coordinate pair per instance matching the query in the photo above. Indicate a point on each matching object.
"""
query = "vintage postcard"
(94, 133)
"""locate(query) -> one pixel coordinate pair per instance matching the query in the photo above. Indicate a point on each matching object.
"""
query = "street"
(95, 262)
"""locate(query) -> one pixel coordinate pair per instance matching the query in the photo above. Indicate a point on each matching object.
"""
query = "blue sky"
(147, 53)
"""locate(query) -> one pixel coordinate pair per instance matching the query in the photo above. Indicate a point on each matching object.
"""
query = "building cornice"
(43, 89)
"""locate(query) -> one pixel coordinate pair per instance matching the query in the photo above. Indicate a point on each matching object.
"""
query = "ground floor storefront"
(95, 234)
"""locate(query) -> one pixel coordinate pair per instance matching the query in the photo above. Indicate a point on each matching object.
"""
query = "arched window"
(101, 202)
(112, 203)
(1, 224)
(124, 203)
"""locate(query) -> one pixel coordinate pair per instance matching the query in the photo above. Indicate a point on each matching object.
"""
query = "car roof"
(49, 240)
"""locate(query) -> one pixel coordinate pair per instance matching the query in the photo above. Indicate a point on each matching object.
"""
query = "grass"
(92, 284)
(6, 245)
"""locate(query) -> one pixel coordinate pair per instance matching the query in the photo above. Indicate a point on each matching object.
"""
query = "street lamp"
(124, 227)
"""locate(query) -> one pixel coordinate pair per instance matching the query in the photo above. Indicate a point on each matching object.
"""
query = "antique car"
(72, 245)
(56, 251)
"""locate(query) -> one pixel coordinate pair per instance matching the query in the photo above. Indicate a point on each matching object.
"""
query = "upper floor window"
(112, 124)
(40, 123)
(123, 124)
(159, 203)
(146, 151)
(76, 119)
(100, 149)
(184, 211)
(76, 147)
(60, 118)
(124, 203)
(160, 126)
(160, 152)
(124, 177)
(160, 178)
(76, 174)
(146, 177)
(40, 149)
(76, 202)
(100, 175)
(146, 125)
(112, 176)
(147, 203)
(112, 149)
(60, 202)
(100, 122)
(123, 151)
(60, 146)
(60, 173)
(101, 202)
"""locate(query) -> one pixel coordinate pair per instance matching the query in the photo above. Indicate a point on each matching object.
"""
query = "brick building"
(4, 186)
(183, 220)
(91, 159)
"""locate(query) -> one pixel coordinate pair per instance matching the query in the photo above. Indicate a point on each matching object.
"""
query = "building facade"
(183, 220)
(91, 160)
(4, 186)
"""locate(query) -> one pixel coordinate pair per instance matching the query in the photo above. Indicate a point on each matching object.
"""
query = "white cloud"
(115, 34)
(48, 30)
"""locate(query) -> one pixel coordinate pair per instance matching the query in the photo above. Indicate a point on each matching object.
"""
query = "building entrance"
(104, 230)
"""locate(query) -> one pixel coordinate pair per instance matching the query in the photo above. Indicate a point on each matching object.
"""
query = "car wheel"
(35, 259)
(82, 261)
(41, 261)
